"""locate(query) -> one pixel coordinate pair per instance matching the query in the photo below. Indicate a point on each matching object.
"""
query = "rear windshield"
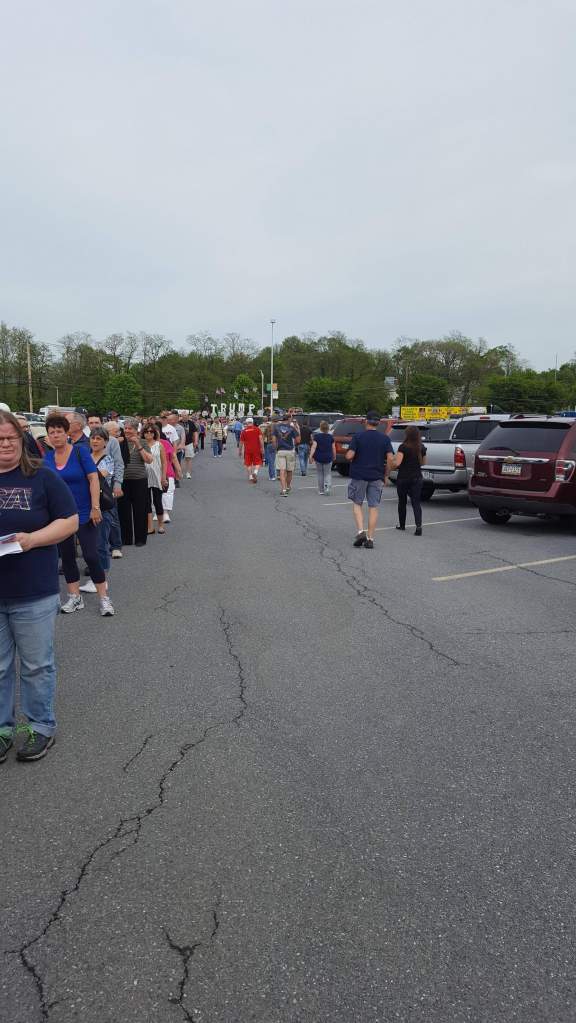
(526, 437)
(474, 429)
(397, 433)
(347, 426)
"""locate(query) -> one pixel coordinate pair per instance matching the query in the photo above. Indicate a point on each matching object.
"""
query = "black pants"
(133, 511)
(202, 441)
(413, 488)
(155, 497)
(88, 536)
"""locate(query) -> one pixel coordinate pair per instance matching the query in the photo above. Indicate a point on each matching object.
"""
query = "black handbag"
(107, 499)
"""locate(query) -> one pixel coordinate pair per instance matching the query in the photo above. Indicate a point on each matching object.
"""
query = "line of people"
(99, 486)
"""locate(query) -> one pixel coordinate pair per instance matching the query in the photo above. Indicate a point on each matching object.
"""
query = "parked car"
(451, 447)
(526, 467)
(313, 419)
(343, 431)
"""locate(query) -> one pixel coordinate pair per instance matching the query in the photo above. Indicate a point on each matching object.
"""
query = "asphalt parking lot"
(296, 781)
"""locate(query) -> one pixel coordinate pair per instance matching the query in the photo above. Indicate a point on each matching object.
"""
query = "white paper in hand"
(8, 545)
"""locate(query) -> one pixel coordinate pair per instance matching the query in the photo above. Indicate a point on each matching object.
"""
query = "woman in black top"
(409, 459)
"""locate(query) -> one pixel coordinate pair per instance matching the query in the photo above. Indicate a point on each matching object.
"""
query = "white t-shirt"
(171, 434)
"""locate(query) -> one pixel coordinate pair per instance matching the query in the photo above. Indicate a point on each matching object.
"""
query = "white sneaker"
(106, 608)
(188, 476)
(166, 518)
(73, 603)
(117, 554)
(88, 587)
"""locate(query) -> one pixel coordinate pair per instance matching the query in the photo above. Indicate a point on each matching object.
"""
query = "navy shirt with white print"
(28, 503)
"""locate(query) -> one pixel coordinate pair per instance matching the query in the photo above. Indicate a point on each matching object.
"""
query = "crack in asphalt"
(226, 627)
(131, 827)
(331, 556)
(186, 954)
(138, 752)
(532, 571)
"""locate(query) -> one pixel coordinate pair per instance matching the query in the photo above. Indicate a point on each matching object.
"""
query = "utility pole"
(29, 361)
(272, 322)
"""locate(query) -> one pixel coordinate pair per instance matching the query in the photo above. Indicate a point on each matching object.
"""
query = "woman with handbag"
(75, 466)
(157, 480)
(105, 466)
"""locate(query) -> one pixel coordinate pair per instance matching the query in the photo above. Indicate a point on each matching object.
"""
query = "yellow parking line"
(439, 522)
(501, 568)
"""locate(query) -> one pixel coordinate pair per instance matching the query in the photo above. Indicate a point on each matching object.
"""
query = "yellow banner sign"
(409, 412)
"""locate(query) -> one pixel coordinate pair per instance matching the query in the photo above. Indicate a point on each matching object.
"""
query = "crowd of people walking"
(95, 487)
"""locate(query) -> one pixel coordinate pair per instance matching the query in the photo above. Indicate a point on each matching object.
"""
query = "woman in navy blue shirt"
(323, 452)
(38, 512)
(74, 464)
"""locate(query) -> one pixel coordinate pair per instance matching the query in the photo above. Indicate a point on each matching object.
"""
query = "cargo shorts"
(286, 460)
(366, 490)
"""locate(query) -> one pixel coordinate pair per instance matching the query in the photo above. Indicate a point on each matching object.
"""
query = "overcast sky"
(378, 167)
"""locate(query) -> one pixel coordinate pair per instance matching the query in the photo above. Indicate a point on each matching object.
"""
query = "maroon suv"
(526, 467)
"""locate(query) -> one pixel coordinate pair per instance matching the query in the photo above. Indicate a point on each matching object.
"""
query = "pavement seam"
(366, 593)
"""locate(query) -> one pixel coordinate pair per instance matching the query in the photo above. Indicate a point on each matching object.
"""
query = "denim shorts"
(366, 490)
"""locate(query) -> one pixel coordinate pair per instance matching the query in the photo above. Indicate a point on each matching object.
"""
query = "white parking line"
(439, 522)
(334, 485)
(337, 504)
(501, 568)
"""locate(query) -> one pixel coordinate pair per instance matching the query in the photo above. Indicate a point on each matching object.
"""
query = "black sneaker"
(360, 539)
(369, 543)
(5, 747)
(35, 747)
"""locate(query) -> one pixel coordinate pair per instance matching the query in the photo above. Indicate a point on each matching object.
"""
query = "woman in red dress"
(252, 448)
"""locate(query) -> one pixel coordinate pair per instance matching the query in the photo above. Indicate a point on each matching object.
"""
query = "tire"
(427, 491)
(494, 518)
(343, 468)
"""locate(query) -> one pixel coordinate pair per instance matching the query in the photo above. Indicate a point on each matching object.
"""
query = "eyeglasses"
(9, 440)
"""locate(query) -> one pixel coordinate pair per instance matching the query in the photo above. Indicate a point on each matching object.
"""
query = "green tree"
(190, 398)
(328, 395)
(123, 393)
(427, 389)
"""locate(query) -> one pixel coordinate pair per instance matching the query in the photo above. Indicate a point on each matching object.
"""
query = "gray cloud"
(385, 169)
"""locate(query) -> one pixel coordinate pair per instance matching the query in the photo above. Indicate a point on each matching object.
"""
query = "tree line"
(140, 372)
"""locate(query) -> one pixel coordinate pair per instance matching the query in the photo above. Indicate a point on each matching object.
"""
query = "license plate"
(427, 475)
(511, 469)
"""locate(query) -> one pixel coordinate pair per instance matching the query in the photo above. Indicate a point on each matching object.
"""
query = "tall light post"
(262, 403)
(272, 322)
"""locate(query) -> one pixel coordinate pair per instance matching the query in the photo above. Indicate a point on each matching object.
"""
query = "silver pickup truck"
(450, 457)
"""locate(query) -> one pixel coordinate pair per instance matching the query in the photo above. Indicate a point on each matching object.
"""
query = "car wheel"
(427, 492)
(344, 470)
(494, 518)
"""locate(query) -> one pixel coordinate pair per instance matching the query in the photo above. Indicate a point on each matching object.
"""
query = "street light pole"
(29, 362)
(272, 322)
(262, 403)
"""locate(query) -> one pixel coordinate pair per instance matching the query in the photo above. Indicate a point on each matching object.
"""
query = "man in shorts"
(286, 435)
(252, 448)
(371, 455)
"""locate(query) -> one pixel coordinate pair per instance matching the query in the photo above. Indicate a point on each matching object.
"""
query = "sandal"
(162, 530)
(152, 532)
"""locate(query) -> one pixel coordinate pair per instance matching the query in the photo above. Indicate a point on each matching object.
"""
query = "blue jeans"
(27, 629)
(216, 447)
(104, 530)
(303, 452)
(324, 474)
(115, 536)
(270, 458)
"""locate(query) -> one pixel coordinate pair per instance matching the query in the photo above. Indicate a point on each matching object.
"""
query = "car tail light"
(459, 458)
(564, 470)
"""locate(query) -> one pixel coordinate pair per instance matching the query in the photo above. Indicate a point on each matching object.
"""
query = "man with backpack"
(286, 436)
